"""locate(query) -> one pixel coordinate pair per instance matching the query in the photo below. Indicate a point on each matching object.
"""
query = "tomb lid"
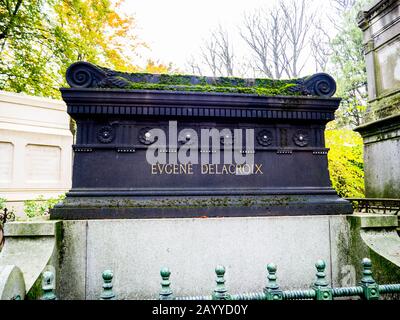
(86, 75)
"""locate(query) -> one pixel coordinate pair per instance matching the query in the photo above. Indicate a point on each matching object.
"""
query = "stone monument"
(148, 190)
(156, 146)
(380, 24)
(35, 148)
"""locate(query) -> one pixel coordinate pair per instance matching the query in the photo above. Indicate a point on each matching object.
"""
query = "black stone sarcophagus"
(116, 114)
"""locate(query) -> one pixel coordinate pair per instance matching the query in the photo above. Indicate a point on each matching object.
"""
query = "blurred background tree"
(39, 39)
(348, 65)
(345, 157)
(345, 160)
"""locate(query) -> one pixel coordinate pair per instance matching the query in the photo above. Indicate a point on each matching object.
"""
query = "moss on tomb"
(180, 203)
(262, 87)
(383, 107)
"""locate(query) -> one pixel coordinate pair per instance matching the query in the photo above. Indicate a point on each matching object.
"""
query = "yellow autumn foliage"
(346, 165)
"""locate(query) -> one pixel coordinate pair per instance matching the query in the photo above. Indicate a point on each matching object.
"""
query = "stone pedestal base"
(76, 207)
(137, 249)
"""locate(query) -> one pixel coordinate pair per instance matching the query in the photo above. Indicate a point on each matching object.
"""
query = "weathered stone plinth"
(78, 251)
(137, 249)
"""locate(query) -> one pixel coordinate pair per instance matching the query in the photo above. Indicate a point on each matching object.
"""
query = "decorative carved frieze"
(102, 136)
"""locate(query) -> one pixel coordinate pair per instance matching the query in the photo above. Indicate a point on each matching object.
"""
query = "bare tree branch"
(320, 47)
(278, 38)
(297, 22)
(217, 54)
(210, 57)
(194, 67)
(339, 7)
(224, 51)
(264, 35)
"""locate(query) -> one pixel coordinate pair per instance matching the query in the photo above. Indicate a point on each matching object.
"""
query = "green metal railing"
(376, 205)
(320, 290)
(5, 215)
(367, 289)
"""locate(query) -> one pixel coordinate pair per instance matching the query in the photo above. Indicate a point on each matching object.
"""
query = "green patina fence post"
(319, 290)
(272, 291)
(322, 289)
(220, 292)
(48, 286)
(166, 292)
(370, 287)
(107, 293)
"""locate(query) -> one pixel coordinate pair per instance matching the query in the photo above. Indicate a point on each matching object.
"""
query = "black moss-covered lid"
(87, 75)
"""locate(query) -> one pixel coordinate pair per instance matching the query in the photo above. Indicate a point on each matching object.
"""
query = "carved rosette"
(145, 136)
(301, 138)
(105, 134)
(265, 138)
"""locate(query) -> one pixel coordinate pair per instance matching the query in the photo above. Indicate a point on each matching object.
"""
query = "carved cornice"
(381, 126)
(364, 17)
(87, 75)
(163, 105)
(245, 113)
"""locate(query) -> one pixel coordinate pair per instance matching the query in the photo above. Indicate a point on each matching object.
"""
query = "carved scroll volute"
(320, 84)
(84, 75)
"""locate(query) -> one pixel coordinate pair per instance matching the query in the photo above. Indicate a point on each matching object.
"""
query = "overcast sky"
(174, 29)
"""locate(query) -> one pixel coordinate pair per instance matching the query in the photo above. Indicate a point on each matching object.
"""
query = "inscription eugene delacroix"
(218, 169)
(183, 151)
(153, 146)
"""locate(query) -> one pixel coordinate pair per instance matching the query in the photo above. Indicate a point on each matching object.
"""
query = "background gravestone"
(381, 129)
(35, 149)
